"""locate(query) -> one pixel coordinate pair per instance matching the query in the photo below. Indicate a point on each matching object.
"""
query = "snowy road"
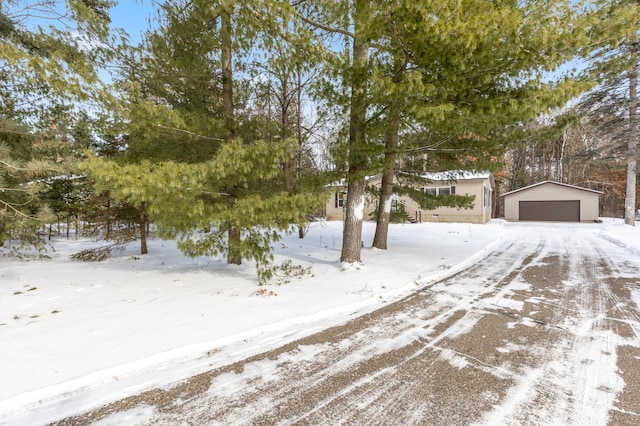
(543, 331)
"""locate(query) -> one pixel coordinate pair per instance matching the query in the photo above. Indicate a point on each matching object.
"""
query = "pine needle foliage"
(193, 158)
(46, 68)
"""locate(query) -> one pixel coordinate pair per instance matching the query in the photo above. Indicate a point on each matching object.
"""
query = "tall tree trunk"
(352, 232)
(392, 143)
(354, 212)
(107, 235)
(143, 231)
(285, 130)
(233, 254)
(632, 170)
(561, 168)
(384, 207)
(298, 159)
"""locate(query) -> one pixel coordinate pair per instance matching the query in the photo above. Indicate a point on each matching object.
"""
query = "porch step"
(411, 219)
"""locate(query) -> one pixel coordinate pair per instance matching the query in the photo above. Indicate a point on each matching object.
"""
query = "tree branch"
(324, 27)
(189, 133)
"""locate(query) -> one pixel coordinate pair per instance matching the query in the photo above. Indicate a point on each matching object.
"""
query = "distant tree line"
(592, 142)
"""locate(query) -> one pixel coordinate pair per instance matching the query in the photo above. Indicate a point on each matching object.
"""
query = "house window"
(441, 190)
(487, 197)
(446, 190)
(340, 198)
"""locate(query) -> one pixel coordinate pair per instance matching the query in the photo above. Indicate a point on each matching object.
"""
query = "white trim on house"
(436, 190)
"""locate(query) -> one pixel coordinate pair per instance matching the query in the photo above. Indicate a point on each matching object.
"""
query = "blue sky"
(133, 17)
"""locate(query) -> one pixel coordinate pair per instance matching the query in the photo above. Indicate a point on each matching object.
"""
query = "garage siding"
(553, 211)
(552, 201)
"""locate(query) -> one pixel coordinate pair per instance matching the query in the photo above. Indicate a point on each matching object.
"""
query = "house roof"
(457, 175)
(552, 183)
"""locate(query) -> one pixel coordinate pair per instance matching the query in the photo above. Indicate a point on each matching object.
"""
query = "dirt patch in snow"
(626, 405)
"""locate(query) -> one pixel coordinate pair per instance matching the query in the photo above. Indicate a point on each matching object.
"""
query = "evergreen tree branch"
(189, 133)
(16, 132)
(17, 212)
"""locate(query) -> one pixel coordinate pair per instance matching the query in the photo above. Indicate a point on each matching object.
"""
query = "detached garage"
(553, 202)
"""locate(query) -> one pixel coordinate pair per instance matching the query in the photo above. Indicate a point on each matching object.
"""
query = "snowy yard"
(77, 335)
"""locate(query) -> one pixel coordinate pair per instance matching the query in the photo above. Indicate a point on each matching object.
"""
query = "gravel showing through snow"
(543, 330)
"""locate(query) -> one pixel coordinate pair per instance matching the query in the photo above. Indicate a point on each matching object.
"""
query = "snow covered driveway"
(542, 331)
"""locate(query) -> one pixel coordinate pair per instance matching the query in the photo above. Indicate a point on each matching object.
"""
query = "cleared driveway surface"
(543, 331)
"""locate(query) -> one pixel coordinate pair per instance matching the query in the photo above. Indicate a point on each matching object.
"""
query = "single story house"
(552, 201)
(480, 185)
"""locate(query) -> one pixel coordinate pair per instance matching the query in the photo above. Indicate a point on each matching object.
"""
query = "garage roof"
(553, 183)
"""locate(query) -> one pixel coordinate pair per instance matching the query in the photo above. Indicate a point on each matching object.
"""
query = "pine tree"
(484, 72)
(21, 211)
(283, 82)
(452, 77)
(44, 70)
(357, 145)
(615, 66)
(392, 145)
(193, 160)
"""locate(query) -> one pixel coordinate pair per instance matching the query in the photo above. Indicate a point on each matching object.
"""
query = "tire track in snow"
(485, 345)
(578, 381)
(425, 349)
(239, 392)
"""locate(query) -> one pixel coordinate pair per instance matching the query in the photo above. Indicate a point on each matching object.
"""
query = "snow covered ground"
(76, 335)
